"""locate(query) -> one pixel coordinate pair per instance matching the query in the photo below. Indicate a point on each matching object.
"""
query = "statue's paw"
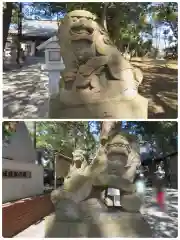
(69, 74)
(131, 202)
(95, 84)
(55, 195)
(100, 162)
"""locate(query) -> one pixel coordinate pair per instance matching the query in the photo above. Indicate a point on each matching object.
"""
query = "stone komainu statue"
(79, 210)
(96, 75)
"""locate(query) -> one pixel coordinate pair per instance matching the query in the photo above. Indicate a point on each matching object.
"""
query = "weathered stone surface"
(54, 228)
(131, 202)
(99, 82)
(78, 203)
(123, 159)
(114, 181)
(108, 107)
(101, 223)
(15, 151)
(67, 210)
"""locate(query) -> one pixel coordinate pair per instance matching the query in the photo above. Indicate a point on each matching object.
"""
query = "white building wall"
(17, 188)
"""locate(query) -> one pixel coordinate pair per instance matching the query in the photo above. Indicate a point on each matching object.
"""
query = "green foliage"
(15, 9)
(14, 18)
(162, 135)
(166, 13)
(8, 128)
(64, 137)
(125, 21)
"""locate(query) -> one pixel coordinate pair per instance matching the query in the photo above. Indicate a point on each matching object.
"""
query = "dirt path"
(25, 92)
(159, 86)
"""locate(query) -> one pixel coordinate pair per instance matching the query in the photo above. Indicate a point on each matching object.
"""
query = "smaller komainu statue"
(99, 82)
(79, 207)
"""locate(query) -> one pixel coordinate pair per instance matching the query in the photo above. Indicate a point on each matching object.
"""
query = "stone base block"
(120, 224)
(98, 221)
(72, 105)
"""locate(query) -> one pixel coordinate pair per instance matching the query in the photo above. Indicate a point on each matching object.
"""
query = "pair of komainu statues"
(98, 81)
(79, 207)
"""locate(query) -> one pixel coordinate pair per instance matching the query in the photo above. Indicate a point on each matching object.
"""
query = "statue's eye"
(74, 19)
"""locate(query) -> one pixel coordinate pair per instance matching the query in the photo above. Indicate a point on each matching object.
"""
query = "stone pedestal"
(96, 220)
(54, 79)
(109, 104)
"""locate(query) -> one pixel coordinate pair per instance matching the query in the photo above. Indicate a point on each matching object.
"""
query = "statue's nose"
(83, 21)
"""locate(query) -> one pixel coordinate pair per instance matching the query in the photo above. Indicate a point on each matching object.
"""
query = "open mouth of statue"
(120, 146)
(81, 30)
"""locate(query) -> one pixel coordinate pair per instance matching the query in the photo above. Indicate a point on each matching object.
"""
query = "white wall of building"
(17, 188)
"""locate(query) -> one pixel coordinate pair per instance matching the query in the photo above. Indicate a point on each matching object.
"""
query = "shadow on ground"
(24, 94)
(8, 67)
(163, 224)
(160, 87)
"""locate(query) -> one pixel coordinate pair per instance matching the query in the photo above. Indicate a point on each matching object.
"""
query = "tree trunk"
(104, 14)
(174, 29)
(7, 14)
(39, 157)
(19, 33)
